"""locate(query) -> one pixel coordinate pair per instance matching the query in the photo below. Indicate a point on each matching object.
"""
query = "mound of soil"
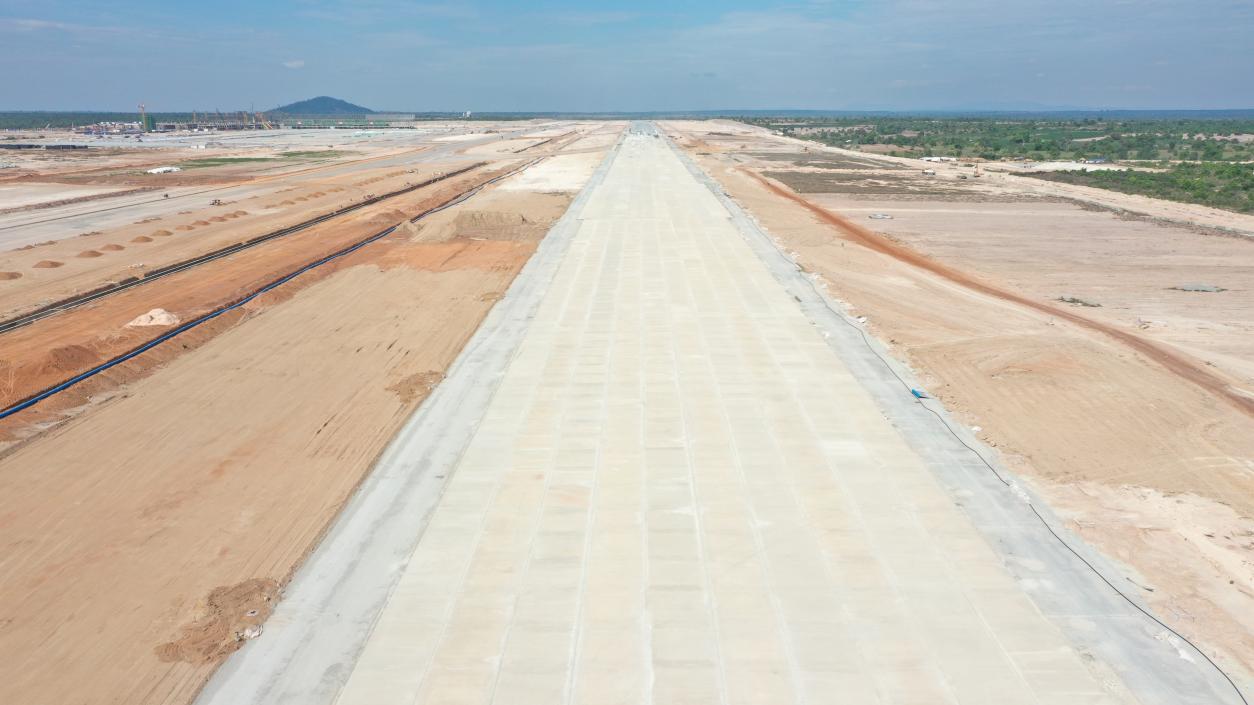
(141, 238)
(113, 248)
(183, 228)
(155, 317)
(6, 276)
(416, 386)
(48, 264)
(199, 223)
(70, 359)
(161, 233)
(88, 254)
(231, 615)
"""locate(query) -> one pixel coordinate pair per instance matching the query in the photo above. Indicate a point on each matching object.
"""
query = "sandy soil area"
(998, 180)
(1067, 166)
(55, 348)
(505, 147)
(273, 161)
(460, 138)
(147, 535)
(565, 172)
(167, 517)
(1152, 468)
(1135, 273)
(26, 195)
(54, 270)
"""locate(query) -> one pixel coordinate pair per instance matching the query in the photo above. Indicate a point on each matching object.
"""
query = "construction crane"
(143, 118)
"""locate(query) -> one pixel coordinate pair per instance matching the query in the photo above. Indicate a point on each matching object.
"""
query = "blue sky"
(647, 55)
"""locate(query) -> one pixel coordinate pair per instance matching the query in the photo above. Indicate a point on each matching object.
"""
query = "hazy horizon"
(857, 55)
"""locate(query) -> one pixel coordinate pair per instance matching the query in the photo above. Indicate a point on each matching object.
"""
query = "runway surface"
(657, 477)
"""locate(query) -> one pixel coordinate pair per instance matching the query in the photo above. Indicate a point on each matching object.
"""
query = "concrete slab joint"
(665, 470)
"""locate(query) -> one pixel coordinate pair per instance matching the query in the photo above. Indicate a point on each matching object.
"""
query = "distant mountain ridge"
(323, 105)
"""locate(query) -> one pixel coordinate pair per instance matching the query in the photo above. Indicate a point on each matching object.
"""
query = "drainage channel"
(273, 284)
(115, 287)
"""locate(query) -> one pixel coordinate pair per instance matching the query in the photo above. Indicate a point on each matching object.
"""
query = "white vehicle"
(164, 170)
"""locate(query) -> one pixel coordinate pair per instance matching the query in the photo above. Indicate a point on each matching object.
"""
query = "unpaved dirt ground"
(15, 196)
(273, 162)
(56, 348)
(147, 533)
(1150, 465)
(153, 242)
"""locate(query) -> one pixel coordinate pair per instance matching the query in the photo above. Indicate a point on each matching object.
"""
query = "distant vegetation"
(36, 120)
(1216, 184)
(992, 138)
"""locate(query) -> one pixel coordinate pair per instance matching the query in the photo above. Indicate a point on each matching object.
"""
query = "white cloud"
(295, 64)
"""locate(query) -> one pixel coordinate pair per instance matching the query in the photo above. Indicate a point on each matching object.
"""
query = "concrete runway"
(664, 471)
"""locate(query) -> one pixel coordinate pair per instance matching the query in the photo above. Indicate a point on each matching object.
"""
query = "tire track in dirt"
(1175, 363)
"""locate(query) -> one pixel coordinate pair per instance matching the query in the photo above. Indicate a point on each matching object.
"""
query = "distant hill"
(323, 105)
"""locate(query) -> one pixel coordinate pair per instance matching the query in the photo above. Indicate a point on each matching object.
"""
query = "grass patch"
(875, 185)
(1218, 185)
(220, 161)
(315, 154)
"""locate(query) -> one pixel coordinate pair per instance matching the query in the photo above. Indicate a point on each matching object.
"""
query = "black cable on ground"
(37, 397)
(77, 300)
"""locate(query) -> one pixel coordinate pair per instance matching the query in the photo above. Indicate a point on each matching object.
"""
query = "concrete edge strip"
(311, 642)
(1154, 665)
